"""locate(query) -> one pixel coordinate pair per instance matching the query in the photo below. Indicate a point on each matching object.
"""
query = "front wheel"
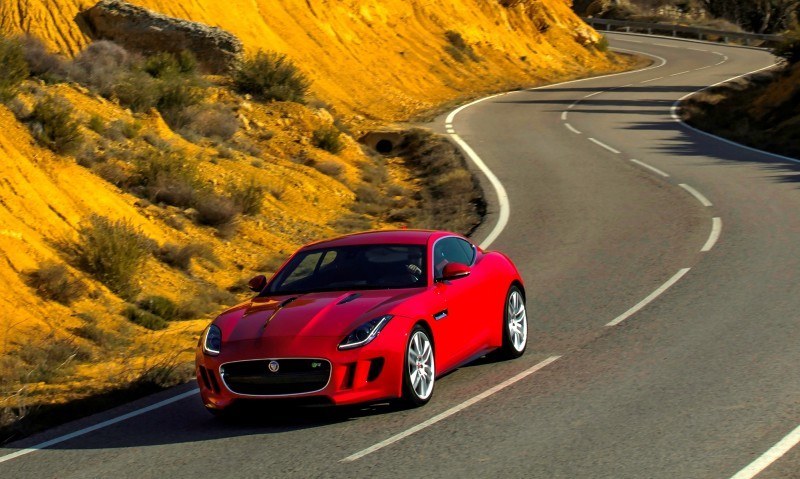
(515, 325)
(419, 372)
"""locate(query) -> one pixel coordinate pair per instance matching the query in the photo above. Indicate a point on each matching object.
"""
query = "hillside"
(68, 333)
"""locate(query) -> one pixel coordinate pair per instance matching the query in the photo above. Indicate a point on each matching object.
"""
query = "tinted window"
(450, 250)
(352, 267)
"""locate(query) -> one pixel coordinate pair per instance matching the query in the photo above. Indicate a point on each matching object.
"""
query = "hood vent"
(349, 298)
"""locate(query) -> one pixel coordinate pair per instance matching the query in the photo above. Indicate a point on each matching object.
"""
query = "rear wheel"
(515, 325)
(419, 372)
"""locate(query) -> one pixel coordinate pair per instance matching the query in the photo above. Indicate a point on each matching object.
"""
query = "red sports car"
(364, 317)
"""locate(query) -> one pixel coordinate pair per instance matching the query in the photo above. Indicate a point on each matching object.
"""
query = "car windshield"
(352, 267)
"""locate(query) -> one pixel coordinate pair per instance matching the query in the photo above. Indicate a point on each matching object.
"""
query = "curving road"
(662, 270)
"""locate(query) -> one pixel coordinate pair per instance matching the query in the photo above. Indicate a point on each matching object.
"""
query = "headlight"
(212, 340)
(365, 333)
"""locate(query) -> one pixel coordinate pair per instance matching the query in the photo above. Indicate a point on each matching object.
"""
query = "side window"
(449, 250)
(468, 250)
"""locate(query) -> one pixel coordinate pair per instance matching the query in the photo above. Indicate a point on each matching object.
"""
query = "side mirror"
(455, 271)
(257, 284)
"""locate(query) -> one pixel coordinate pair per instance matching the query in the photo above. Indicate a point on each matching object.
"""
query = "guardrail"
(680, 30)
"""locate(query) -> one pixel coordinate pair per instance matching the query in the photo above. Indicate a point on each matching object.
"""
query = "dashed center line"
(651, 168)
(680, 73)
(716, 229)
(593, 94)
(564, 115)
(451, 411)
(702, 199)
(601, 144)
(572, 129)
(652, 79)
(649, 299)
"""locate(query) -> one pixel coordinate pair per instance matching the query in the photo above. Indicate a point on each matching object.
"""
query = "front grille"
(294, 376)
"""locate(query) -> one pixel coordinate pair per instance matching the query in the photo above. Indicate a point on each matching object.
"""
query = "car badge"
(274, 366)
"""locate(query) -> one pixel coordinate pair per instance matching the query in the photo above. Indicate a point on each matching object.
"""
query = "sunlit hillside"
(68, 332)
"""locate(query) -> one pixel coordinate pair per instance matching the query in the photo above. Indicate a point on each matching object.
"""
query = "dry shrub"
(144, 318)
(52, 281)
(113, 173)
(277, 190)
(50, 360)
(53, 125)
(328, 138)
(352, 222)
(160, 306)
(14, 67)
(247, 196)
(113, 251)
(49, 67)
(168, 177)
(181, 256)
(93, 332)
(458, 48)
(271, 76)
(215, 210)
(211, 121)
(330, 168)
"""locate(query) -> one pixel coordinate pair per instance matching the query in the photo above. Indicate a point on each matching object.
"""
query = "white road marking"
(698, 49)
(573, 105)
(651, 168)
(716, 229)
(101, 425)
(451, 131)
(600, 143)
(773, 454)
(652, 79)
(451, 411)
(702, 199)
(665, 45)
(655, 294)
(564, 115)
(572, 129)
(502, 196)
(703, 68)
(594, 94)
(680, 73)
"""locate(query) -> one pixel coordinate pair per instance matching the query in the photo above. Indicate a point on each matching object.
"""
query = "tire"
(515, 325)
(419, 369)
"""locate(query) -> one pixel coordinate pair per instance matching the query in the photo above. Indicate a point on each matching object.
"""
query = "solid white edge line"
(572, 129)
(453, 410)
(773, 454)
(677, 118)
(651, 168)
(655, 294)
(502, 196)
(101, 425)
(716, 229)
(601, 144)
(699, 196)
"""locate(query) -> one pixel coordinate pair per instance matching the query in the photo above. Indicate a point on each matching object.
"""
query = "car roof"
(415, 237)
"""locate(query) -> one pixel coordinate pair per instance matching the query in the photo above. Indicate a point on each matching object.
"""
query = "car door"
(462, 338)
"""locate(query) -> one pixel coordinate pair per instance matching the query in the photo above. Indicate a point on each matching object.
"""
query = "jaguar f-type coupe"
(362, 318)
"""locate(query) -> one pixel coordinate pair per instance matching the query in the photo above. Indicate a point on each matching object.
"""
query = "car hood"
(311, 314)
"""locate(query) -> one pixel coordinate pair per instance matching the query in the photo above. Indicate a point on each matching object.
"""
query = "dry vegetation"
(144, 194)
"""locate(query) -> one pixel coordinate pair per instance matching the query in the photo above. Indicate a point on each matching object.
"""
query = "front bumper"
(370, 373)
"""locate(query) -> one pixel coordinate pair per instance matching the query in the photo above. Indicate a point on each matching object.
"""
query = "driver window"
(449, 250)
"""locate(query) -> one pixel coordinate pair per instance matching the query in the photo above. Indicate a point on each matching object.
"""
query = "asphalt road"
(697, 383)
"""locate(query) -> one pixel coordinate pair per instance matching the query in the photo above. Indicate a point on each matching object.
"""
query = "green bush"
(114, 252)
(328, 138)
(14, 67)
(53, 125)
(168, 177)
(271, 76)
(165, 64)
(160, 306)
(52, 281)
(247, 196)
(144, 318)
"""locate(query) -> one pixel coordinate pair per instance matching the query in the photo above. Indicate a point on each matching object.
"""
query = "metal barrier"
(699, 32)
